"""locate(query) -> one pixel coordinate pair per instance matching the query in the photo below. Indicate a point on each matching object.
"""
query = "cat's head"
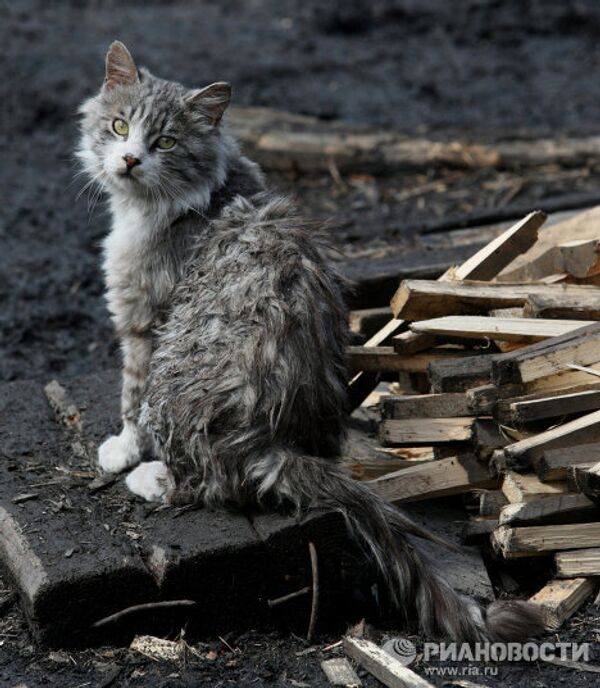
(153, 138)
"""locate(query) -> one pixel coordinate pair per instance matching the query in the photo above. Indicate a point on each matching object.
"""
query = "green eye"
(165, 142)
(121, 127)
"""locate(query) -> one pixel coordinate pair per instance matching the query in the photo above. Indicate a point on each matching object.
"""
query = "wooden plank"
(550, 357)
(417, 431)
(584, 307)
(426, 406)
(385, 359)
(528, 541)
(578, 431)
(413, 342)
(553, 463)
(579, 562)
(575, 475)
(518, 488)
(485, 264)
(500, 252)
(582, 226)
(339, 672)
(560, 404)
(367, 321)
(557, 509)
(422, 299)
(459, 375)
(588, 481)
(504, 329)
(454, 475)
(491, 502)
(560, 599)
(382, 665)
(482, 400)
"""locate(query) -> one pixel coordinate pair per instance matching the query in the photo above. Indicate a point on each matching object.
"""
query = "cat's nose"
(131, 161)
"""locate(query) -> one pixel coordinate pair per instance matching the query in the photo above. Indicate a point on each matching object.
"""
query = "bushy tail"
(380, 529)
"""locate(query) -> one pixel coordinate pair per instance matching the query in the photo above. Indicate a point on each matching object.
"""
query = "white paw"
(149, 480)
(119, 452)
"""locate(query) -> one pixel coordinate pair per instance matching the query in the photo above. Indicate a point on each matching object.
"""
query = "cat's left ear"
(211, 101)
(120, 67)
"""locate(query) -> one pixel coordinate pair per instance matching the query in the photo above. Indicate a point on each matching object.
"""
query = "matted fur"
(234, 327)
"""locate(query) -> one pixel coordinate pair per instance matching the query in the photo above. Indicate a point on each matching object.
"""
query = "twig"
(314, 609)
(290, 596)
(143, 607)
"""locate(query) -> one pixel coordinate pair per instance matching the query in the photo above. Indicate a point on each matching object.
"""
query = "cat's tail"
(380, 529)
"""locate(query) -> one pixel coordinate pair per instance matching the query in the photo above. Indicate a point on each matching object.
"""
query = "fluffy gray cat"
(233, 330)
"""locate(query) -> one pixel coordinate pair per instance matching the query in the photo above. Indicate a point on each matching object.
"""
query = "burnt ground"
(476, 69)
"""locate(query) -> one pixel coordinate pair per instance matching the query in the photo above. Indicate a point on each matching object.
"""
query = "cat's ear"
(120, 67)
(211, 101)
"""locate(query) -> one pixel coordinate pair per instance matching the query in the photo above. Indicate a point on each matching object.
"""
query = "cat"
(233, 329)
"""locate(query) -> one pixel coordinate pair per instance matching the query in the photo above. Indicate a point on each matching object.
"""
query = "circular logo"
(401, 649)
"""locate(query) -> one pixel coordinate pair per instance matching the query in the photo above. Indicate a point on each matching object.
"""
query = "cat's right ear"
(120, 67)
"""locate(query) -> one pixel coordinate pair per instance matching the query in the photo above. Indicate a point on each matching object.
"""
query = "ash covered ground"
(473, 68)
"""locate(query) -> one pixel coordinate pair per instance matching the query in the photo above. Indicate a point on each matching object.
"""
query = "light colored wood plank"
(528, 541)
(454, 475)
(339, 672)
(579, 562)
(416, 431)
(560, 599)
(495, 256)
(422, 299)
(383, 666)
(518, 488)
(525, 330)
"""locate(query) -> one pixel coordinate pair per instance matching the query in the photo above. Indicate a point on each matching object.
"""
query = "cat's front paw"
(119, 452)
(150, 480)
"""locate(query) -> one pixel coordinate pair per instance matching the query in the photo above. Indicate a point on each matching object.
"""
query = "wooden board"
(428, 431)
(425, 406)
(581, 430)
(552, 509)
(384, 358)
(550, 357)
(422, 299)
(525, 330)
(531, 541)
(579, 562)
(554, 463)
(460, 375)
(519, 487)
(559, 404)
(450, 476)
(582, 307)
(560, 599)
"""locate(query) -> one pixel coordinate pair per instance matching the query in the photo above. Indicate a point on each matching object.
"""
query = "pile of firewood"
(491, 387)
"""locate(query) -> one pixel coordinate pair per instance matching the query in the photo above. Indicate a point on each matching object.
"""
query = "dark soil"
(475, 68)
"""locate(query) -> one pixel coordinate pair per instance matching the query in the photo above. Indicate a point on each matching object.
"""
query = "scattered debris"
(339, 672)
(157, 648)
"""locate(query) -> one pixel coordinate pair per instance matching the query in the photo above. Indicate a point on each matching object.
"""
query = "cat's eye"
(165, 142)
(120, 127)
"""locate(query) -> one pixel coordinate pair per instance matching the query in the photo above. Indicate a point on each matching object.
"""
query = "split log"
(422, 299)
(560, 599)
(426, 406)
(451, 476)
(551, 510)
(579, 562)
(519, 488)
(528, 541)
(425, 431)
(503, 329)
(554, 463)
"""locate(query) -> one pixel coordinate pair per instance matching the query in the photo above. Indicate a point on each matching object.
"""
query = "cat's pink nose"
(131, 161)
